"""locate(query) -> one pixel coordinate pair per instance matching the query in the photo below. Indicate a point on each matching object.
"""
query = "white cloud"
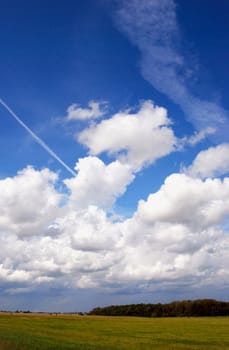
(185, 200)
(94, 110)
(28, 201)
(90, 230)
(97, 183)
(199, 136)
(211, 162)
(175, 236)
(137, 139)
(15, 276)
(152, 26)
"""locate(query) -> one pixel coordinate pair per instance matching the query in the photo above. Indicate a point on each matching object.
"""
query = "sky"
(114, 148)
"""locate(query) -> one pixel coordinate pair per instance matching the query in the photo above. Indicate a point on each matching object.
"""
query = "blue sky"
(131, 99)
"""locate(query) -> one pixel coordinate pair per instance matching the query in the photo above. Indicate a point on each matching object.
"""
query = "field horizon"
(194, 307)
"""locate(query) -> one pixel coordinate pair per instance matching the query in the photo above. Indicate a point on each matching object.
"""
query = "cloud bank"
(174, 235)
(52, 238)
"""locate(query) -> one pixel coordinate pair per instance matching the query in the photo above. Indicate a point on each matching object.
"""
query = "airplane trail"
(38, 139)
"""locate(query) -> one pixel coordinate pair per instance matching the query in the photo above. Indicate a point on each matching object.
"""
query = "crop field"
(60, 332)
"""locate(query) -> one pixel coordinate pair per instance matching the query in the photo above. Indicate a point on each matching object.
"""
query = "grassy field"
(46, 332)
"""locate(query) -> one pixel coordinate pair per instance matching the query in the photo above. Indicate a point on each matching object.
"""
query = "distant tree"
(200, 307)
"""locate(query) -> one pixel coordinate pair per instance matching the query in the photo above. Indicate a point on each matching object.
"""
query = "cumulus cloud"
(211, 162)
(97, 183)
(151, 25)
(94, 110)
(175, 236)
(81, 253)
(178, 235)
(187, 201)
(28, 202)
(15, 276)
(90, 230)
(137, 139)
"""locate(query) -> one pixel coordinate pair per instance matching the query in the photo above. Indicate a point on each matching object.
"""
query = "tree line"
(200, 307)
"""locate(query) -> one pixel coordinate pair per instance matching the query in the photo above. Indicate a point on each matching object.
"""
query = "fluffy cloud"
(97, 183)
(90, 230)
(69, 240)
(175, 236)
(211, 162)
(79, 256)
(137, 139)
(185, 200)
(28, 202)
(94, 110)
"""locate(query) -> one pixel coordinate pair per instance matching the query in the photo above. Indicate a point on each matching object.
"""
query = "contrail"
(38, 139)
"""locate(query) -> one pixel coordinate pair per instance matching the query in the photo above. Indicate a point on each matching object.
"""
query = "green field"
(43, 332)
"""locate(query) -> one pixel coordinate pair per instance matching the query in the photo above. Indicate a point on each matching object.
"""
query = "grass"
(63, 332)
